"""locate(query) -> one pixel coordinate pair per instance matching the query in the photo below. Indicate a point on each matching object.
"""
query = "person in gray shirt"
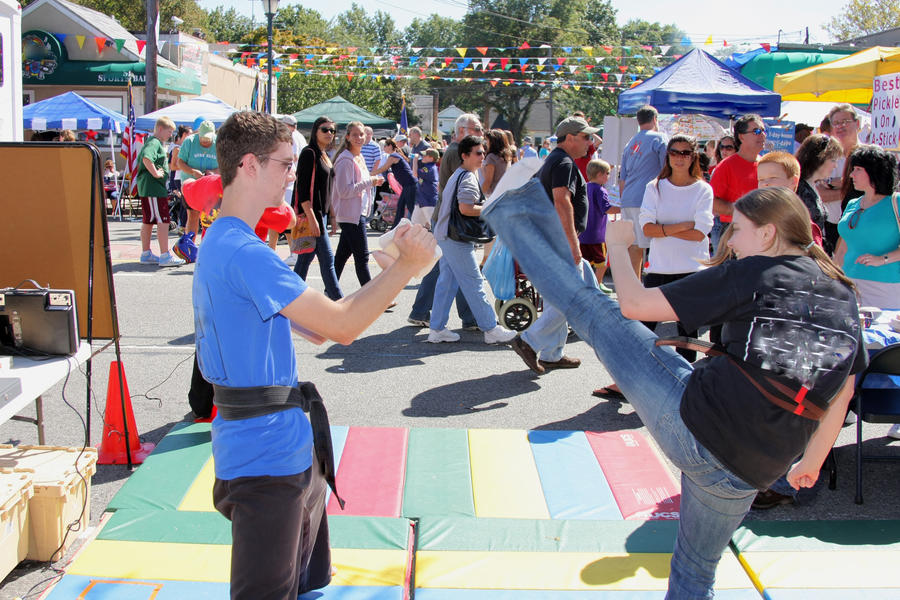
(642, 160)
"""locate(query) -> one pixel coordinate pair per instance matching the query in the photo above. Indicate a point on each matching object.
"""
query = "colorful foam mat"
(489, 473)
(831, 560)
(489, 514)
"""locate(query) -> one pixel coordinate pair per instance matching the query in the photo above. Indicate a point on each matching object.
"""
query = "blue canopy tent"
(184, 113)
(71, 111)
(698, 83)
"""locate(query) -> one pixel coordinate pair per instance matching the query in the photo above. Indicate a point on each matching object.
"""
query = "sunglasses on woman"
(327, 130)
(684, 153)
(855, 217)
(726, 147)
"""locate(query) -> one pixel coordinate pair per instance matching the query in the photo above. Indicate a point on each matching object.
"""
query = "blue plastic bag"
(500, 272)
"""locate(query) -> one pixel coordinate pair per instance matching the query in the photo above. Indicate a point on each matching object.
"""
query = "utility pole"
(151, 50)
(435, 97)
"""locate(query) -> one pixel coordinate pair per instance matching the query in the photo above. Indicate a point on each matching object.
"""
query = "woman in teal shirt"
(869, 248)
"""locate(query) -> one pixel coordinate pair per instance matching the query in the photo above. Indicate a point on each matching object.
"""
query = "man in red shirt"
(736, 175)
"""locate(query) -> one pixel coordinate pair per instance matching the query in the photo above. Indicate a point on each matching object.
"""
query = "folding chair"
(877, 400)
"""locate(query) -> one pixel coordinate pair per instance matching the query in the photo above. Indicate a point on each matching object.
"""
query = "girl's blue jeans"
(713, 500)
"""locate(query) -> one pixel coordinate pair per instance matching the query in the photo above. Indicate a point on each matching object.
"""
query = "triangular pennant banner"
(120, 43)
(482, 49)
(448, 60)
(81, 38)
(664, 49)
(524, 46)
(429, 60)
(101, 44)
(561, 60)
(140, 45)
(589, 50)
(607, 49)
(767, 47)
(61, 37)
(461, 51)
(504, 62)
(567, 50)
(708, 41)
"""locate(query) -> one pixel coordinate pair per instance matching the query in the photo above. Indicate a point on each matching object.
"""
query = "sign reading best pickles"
(886, 111)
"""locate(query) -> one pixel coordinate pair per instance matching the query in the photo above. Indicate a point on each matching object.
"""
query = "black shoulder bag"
(463, 228)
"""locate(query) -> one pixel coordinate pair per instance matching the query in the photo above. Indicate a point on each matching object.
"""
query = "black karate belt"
(235, 404)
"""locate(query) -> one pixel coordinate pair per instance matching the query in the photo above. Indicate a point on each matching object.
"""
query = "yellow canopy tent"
(844, 80)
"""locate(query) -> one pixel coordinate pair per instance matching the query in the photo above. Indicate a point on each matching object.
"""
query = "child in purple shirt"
(593, 239)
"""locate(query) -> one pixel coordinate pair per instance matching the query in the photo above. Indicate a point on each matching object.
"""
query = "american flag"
(130, 142)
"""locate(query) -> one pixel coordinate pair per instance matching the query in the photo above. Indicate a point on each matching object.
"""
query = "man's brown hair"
(247, 132)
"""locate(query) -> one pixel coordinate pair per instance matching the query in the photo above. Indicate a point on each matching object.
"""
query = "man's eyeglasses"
(854, 218)
(479, 152)
(844, 123)
(327, 130)
(684, 153)
(285, 163)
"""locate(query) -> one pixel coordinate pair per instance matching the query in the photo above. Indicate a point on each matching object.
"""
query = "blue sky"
(700, 18)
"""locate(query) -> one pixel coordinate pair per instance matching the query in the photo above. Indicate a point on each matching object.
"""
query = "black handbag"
(463, 228)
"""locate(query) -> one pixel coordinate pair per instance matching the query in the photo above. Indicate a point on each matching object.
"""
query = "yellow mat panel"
(558, 571)
(204, 562)
(505, 481)
(199, 495)
(841, 569)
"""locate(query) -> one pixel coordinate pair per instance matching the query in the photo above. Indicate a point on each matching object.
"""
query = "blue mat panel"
(71, 586)
(451, 594)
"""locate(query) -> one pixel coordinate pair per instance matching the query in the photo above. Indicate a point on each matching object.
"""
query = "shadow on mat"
(473, 395)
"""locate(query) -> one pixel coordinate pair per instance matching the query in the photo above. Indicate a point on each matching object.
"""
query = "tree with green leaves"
(228, 25)
(434, 32)
(864, 17)
(354, 27)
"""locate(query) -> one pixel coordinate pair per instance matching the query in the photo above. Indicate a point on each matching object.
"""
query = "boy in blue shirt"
(592, 240)
(427, 186)
(269, 482)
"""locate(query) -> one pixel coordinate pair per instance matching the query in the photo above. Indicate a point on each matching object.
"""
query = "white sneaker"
(894, 431)
(170, 260)
(291, 260)
(498, 335)
(148, 258)
(444, 335)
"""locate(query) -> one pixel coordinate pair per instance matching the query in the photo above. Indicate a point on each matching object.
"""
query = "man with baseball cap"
(541, 346)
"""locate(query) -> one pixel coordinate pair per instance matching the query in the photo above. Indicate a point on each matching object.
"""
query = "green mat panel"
(534, 535)
(164, 478)
(173, 526)
(183, 527)
(438, 477)
(775, 536)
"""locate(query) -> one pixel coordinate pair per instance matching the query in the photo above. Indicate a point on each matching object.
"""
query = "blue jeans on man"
(421, 308)
(714, 501)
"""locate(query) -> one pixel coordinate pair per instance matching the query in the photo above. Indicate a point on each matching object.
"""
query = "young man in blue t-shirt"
(246, 301)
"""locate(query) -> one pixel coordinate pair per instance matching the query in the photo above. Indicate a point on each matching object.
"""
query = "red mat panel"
(641, 484)
(371, 473)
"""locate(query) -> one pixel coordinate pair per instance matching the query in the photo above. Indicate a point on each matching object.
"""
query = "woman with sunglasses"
(352, 195)
(736, 422)
(869, 247)
(724, 149)
(676, 215)
(311, 195)
(458, 269)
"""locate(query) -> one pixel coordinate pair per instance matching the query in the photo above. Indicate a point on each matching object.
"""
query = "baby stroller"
(385, 213)
(520, 312)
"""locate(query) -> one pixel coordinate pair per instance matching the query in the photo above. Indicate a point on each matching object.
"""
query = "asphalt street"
(388, 377)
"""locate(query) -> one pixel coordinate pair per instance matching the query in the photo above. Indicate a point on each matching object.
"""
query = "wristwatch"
(885, 258)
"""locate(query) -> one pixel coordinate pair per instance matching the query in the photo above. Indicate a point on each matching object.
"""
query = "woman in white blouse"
(676, 214)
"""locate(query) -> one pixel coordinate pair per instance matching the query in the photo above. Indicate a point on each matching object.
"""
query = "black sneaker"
(770, 499)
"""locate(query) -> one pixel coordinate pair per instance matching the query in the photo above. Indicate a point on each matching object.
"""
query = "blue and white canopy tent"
(71, 111)
(698, 83)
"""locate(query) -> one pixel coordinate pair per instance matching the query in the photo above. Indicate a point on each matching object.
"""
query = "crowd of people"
(716, 234)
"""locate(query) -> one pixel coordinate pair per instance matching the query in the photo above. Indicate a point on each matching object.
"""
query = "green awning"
(82, 72)
(763, 68)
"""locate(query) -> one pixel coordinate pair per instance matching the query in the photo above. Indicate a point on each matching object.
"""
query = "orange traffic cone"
(112, 448)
